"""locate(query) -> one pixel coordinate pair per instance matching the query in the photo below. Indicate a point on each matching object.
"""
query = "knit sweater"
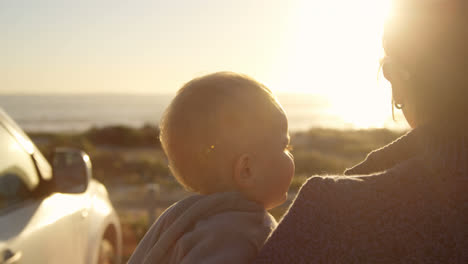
(217, 228)
(406, 203)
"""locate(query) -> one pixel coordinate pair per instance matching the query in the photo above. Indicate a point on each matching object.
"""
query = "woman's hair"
(428, 39)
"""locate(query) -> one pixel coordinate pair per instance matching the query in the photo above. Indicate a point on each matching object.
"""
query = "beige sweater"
(217, 228)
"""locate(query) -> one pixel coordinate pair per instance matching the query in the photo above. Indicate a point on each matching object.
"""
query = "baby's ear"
(243, 173)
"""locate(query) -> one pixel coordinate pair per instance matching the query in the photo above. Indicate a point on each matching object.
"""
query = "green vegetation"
(119, 154)
(319, 151)
(124, 155)
(123, 136)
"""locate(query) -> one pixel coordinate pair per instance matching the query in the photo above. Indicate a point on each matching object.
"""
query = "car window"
(18, 174)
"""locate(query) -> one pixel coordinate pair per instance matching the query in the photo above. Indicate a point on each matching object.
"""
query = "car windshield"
(18, 175)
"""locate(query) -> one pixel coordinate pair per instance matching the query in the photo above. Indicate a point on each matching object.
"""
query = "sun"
(334, 50)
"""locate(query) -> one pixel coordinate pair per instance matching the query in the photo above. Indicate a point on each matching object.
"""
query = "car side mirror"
(71, 170)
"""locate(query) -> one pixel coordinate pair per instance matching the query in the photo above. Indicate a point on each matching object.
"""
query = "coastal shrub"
(338, 148)
(115, 152)
(314, 162)
(124, 136)
(48, 142)
(149, 170)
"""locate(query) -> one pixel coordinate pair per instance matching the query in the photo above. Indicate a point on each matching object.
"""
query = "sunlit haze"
(329, 48)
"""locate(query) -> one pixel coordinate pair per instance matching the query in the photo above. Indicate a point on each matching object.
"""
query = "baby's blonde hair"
(207, 124)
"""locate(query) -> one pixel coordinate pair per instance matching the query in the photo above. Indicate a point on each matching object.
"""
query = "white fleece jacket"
(217, 228)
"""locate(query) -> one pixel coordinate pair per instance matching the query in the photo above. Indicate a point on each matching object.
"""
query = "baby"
(226, 138)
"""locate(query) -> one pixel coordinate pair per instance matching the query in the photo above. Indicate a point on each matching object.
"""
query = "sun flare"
(334, 49)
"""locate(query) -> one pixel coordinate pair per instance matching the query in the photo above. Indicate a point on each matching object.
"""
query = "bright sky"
(331, 48)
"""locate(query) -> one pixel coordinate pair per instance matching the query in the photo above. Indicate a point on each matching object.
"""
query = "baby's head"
(227, 132)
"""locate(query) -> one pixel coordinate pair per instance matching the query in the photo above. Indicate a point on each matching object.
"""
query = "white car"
(52, 214)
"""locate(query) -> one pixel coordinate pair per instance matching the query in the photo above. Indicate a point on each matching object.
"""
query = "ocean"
(75, 113)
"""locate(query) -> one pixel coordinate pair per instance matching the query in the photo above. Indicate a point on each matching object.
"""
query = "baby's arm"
(221, 247)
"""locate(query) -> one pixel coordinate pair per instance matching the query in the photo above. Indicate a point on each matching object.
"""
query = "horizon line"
(133, 94)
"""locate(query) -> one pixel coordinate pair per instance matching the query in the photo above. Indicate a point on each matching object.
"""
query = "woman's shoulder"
(381, 189)
(319, 186)
(359, 218)
(402, 191)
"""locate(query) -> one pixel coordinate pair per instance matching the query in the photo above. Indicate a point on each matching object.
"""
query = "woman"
(408, 201)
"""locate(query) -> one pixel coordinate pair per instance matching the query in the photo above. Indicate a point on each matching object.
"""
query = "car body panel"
(55, 227)
(101, 209)
(44, 231)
